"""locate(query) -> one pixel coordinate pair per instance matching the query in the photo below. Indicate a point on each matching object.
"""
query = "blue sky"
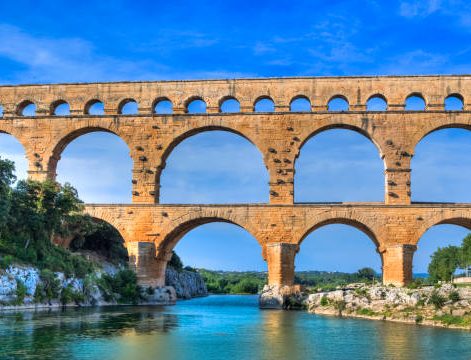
(58, 41)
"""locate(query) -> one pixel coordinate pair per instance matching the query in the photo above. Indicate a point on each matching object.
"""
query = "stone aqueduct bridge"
(151, 230)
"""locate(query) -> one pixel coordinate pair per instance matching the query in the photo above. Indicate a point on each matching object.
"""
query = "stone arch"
(126, 101)
(55, 104)
(264, 97)
(377, 96)
(343, 126)
(300, 97)
(183, 226)
(90, 103)
(418, 95)
(224, 99)
(448, 217)
(159, 100)
(23, 104)
(346, 219)
(101, 214)
(457, 96)
(340, 97)
(191, 99)
(189, 133)
(58, 147)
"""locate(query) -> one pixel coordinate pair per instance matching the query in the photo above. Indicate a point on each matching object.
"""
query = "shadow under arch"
(60, 146)
(181, 229)
(192, 132)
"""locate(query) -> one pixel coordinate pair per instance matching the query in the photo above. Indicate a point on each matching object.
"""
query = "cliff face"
(187, 284)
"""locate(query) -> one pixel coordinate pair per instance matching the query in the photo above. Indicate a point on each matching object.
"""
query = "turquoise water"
(218, 327)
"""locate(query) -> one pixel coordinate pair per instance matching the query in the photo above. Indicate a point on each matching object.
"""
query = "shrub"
(20, 292)
(340, 305)
(6, 261)
(437, 300)
(69, 295)
(418, 319)
(176, 262)
(454, 296)
(122, 287)
(366, 312)
(324, 301)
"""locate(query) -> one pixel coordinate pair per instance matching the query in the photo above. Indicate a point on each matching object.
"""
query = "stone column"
(280, 261)
(397, 186)
(150, 269)
(397, 263)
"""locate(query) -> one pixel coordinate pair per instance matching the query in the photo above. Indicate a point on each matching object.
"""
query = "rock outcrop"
(187, 284)
(443, 305)
(280, 297)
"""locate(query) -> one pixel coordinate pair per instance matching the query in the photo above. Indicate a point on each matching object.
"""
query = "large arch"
(206, 225)
(105, 155)
(170, 149)
(348, 130)
(341, 237)
(440, 167)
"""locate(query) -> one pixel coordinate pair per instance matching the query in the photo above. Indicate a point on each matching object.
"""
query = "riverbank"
(25, 287)
(441, 306)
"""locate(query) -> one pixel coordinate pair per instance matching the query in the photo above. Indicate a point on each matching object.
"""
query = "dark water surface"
(217, 327)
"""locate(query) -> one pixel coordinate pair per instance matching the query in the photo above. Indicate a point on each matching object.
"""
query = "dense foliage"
(232, 282)
(446, 260)
(330, 280)
(33, 214)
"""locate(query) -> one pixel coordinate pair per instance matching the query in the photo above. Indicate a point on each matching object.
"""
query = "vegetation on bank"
(34, 214)
(445, 261)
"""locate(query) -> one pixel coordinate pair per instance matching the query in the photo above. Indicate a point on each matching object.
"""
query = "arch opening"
(338, 103)
(26, 108)
(264, 104)
(339, 165)
(441, 168)
(103, 242)
(1, 111)
(229, 105)
(377, 103)
(338, 245)
(415, 102)
(95, 107)
(454, 102)
(220, 250)
(105, 156)
(300, 104)
(60, 108)
(163, 106)
(214, 166)
(442, 251)
(196, 106)
(11, 149)
(128, 107)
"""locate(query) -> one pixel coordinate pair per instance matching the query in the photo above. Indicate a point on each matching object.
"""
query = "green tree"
(7, 178)
(366, 273)
(444, 263)
(465, 259)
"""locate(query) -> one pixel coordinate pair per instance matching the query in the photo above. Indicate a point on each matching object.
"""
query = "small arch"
(454, 102)
(60, 108)
(95, 107)
(338, 103)
(1, 111)
(26, 108)
(195, 105)
(162, 106)
(377, 102)
(128, 107)
(415, 102)
(229, 104)
(300, 103)
(264, 104)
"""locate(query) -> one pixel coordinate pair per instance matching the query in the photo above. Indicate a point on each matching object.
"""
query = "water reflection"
(217, 327)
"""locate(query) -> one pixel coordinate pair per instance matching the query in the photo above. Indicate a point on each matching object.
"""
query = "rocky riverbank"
(24, 286)
(444, 305)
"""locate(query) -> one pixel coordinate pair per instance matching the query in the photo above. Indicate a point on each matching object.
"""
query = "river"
(217, 327)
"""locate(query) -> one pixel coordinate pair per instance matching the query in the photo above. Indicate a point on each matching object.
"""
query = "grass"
(454, 320)
(366, 312)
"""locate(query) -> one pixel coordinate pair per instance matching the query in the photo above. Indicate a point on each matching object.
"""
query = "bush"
(418, 319)
(366, 312)
(176, 262)
(437, 300)
(6, 261)
(122, 287)
(20, 292)
(324, 301)
(69, 295)
(454, 296)
(48, 288)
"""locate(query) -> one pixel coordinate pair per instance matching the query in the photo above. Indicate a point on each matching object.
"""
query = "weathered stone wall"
(151, 230)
